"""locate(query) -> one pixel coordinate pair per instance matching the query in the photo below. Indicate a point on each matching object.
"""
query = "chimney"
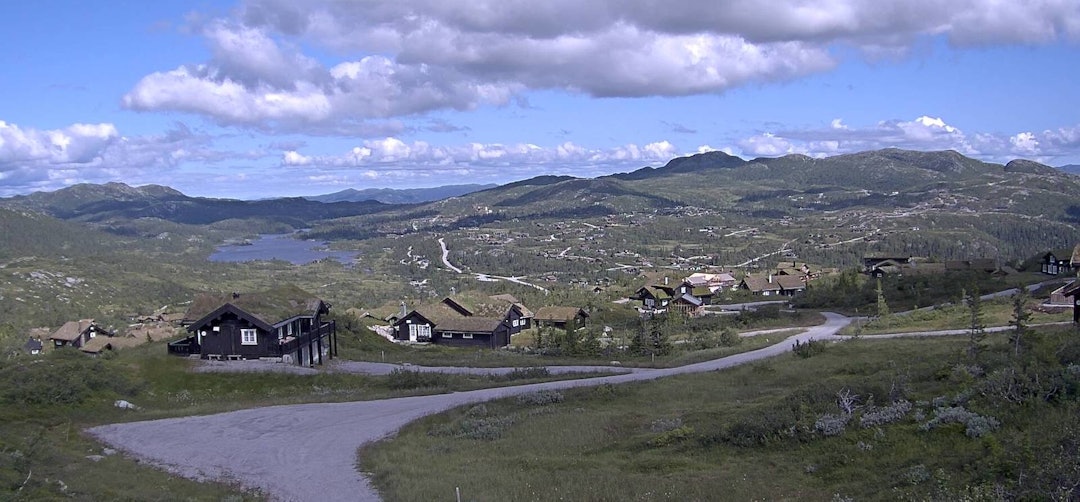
(665, 281)
(770, 277)
(404, 311)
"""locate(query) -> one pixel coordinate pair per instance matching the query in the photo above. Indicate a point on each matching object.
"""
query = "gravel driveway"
(308, 451)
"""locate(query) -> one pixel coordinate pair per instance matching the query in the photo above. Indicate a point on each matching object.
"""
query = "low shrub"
(975, 425)
(671, 437)
(665, 424)
(541, 398)
(808, 349)
(408, 379)
(529, 373)
(875, 416)
(480, 428)
(831, 425)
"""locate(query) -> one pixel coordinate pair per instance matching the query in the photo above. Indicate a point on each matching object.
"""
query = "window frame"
(245, 333)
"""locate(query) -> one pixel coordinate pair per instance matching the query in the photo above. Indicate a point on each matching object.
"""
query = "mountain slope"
(402, 196)
(117, 201)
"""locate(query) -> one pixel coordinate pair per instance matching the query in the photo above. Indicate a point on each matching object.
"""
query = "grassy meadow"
(925, 419)
(46, 402)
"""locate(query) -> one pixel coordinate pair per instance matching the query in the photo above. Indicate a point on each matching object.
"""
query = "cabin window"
(419, 332)
(447, 334)
(467, 336)
(248, 337)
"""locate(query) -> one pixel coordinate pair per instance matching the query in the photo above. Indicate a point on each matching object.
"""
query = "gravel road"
(308, 451)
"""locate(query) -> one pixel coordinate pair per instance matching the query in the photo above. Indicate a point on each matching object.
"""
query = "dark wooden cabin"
(281, 324)
(568, 318)
(453, 322)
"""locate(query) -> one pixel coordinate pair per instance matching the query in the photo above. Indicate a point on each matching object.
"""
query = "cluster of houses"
(699, 289)
(488, 323)
(882, 266)
(287, 323)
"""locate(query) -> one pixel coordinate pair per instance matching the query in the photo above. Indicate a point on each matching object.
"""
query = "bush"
(762, 427)
(541, 398)
(729, 338)
(875, 416)
(527, 373)
(975, 425)
(480, 428)
(665, 424)
(408, 379)
(671, 437)
(831, 425)
(809, 349)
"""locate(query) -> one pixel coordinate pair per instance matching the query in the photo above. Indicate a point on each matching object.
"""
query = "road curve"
(308, 451)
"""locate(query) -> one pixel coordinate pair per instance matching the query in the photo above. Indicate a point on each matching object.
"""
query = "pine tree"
(882, 307)
(976, 328)
(1020, 320)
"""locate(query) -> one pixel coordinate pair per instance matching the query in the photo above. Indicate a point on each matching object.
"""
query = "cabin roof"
(71, 330)
(558, 313)
(270, 306)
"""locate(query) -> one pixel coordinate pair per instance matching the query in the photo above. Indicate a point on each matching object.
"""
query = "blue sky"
(265, 98)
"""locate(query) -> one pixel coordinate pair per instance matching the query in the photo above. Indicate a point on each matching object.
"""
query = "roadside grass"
(996, 312)
(693, 341)
(752, 432)
(46, 402)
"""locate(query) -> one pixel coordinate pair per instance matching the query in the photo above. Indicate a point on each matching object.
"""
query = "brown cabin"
(454, 322)
(568, 318)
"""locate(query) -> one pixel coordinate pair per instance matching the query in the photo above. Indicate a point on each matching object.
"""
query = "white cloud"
(399, 59)
(767, 145)
(75, 144)
(1025, 143)
(33, 159)
(292, 158)
(922, 133)
(393, 161)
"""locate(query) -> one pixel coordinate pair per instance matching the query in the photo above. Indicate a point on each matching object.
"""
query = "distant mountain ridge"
(762, 187)
(400, 196)
(772, 187)
(117, 201)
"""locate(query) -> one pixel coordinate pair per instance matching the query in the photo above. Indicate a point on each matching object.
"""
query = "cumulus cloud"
(399, 59)
(75, 144)
(34, 159)
(392, 160)
(922, 133)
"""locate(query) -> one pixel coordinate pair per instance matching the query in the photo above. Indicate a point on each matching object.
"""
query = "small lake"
(281, 247)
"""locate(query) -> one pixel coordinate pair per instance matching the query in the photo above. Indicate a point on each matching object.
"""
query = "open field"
(754, 432)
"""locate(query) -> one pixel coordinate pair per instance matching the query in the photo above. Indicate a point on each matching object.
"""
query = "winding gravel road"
(308, 451)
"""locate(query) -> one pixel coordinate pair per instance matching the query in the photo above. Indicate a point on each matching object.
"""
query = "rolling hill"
(399, 196)
(113, 202)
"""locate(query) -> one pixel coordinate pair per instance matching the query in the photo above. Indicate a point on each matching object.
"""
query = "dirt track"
(308, 451)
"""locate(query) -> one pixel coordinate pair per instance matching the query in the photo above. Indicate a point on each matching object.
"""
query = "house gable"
(282, 323)
(229, 308)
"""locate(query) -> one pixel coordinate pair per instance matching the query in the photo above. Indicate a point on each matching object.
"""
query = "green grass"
(997, 312)
(46, 402)
(748, 433)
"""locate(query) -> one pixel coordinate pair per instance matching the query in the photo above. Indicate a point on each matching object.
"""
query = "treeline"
(853, 292)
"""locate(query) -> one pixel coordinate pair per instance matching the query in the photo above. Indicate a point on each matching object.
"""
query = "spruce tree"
(976, 328)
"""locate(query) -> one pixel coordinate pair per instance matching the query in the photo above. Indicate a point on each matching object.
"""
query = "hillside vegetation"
(862, 420)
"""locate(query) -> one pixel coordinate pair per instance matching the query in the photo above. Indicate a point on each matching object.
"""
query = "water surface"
(281, 247)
